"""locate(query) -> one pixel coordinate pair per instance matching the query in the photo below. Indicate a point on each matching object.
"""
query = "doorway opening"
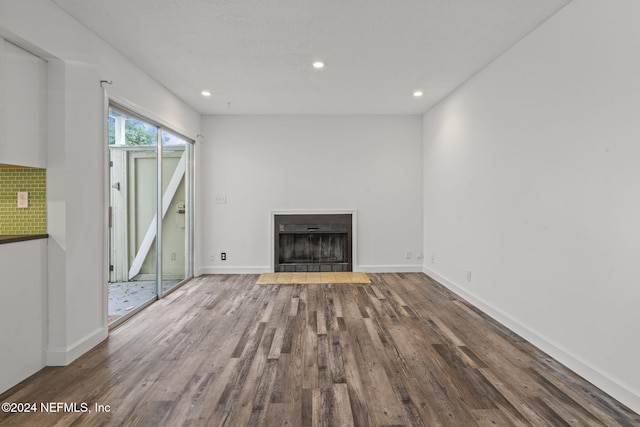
(150, 177)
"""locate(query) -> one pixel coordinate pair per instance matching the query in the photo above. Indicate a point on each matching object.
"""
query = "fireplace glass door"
(313, 248)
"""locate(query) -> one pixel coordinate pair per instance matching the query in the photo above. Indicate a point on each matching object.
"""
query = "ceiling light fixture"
(418, 93)
(318, 64)
(206, 93)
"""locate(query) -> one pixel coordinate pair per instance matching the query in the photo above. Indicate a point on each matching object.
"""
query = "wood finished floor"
(400, 351)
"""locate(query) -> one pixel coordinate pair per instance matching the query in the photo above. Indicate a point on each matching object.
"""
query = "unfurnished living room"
(357, 213)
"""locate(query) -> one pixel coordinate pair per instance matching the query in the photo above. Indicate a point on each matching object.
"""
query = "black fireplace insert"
(313, 242)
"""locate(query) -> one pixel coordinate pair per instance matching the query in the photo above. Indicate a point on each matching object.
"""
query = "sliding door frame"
(190, 203)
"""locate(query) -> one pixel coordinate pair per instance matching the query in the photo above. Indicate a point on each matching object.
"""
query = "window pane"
(169, 138)
(126, 130)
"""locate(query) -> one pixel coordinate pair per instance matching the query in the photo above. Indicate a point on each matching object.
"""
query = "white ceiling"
(256, 55)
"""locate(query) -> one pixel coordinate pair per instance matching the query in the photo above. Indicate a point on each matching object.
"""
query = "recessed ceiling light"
(318, 64)
(205, 93)
(418, 93)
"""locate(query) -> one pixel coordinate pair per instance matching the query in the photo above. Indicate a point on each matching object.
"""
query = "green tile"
(23, 221)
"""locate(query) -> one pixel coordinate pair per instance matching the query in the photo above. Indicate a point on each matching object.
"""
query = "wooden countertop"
(21, 238)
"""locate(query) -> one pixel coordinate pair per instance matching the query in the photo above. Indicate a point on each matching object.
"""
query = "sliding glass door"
(149, 178)
(176, 154)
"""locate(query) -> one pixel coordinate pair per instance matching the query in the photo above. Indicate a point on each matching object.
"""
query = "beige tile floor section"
(312, 278)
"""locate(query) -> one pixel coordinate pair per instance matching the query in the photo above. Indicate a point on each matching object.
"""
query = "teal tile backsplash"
(31, 220)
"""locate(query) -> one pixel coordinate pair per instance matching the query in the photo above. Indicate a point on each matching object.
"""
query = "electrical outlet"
(433, 259)
(221, 200)
(23, 199)
(468, 275)
(223, 256)
(212, 257)
(408, 255)
(173, 256)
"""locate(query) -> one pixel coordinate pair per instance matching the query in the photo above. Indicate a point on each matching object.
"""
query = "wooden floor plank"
(342, 406)
(402, 350)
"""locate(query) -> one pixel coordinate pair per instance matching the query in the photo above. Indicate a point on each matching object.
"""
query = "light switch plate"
(23, 199)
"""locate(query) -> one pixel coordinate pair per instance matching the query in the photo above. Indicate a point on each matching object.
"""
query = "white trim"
(604, 381)
(233, 270)
(267, 269)
(354, 228)
(106, 244)
(62, 356)
(400, 268)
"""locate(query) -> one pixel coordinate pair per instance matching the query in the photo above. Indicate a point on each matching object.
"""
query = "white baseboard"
(266, 269)
(233, 270)
(607, 383)
(389, 268)
(63, 356)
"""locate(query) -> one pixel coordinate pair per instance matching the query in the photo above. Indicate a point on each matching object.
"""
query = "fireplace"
(313, 242)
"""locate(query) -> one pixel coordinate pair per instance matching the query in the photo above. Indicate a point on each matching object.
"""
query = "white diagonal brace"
(150, 236)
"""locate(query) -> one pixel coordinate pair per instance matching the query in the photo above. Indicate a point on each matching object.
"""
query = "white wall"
(531, 182)
(372, 164)
(76, 160)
